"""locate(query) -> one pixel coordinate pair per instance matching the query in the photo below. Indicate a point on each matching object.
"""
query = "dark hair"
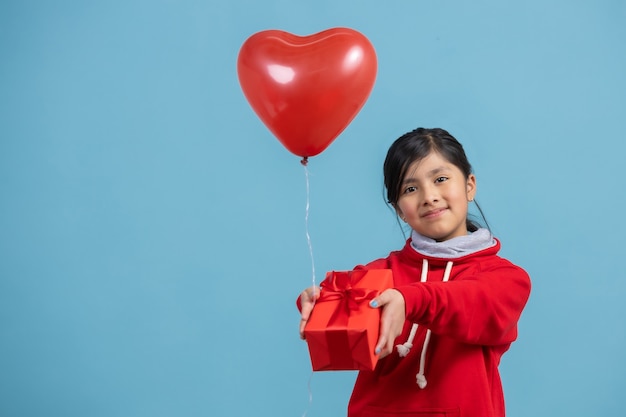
(416, 145)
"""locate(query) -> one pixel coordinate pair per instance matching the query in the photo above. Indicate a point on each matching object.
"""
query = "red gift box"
(343, 329)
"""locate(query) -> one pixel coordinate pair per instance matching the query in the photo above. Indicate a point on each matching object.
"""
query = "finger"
(384, 348)
(307, 302)
(381, 348)
(378, 350)
(389, 347)
(379, 301)
(302, 326)
(305, 315)
(313, 293)
(307, 307)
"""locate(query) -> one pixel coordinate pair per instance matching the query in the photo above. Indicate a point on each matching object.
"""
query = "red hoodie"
(468, 322)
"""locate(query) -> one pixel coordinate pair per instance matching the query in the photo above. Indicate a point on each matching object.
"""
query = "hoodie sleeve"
(481, 307)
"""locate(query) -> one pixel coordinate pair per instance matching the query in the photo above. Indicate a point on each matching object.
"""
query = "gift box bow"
(343, 286)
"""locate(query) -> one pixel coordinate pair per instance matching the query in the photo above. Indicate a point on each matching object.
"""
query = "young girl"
(455, 304)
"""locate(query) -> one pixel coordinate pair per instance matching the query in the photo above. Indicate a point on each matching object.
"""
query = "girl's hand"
(391, 320)
(307, 301)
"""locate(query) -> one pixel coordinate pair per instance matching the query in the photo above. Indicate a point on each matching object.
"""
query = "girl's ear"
(471, 187)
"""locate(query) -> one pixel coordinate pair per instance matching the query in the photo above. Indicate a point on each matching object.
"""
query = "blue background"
(152, 234)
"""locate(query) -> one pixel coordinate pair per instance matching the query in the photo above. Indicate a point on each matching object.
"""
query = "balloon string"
(310, 396)
(308, 239)
(306, 223)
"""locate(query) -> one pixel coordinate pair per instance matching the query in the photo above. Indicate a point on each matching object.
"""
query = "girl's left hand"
(307, 302)
(391, 320)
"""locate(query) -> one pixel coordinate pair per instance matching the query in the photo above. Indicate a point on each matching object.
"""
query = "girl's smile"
(433, 213)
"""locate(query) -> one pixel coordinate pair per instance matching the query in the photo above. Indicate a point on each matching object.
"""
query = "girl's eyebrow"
(432, 172)
(438, 170)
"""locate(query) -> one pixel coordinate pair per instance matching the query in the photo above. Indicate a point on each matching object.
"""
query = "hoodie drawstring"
(404, 348)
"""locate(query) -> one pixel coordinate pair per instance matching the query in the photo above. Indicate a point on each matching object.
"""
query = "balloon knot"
(305, 160)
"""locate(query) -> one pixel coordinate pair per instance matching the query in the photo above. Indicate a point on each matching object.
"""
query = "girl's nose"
(430, 195)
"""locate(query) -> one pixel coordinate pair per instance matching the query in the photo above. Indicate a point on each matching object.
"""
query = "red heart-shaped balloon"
(307, 89)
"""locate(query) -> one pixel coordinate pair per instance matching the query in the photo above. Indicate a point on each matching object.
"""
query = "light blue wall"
(152, 238)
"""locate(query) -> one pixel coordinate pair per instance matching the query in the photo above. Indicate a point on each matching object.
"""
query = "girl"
(455, 304)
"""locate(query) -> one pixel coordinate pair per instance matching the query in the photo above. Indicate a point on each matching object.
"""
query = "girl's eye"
(409, 189)
(441, 179)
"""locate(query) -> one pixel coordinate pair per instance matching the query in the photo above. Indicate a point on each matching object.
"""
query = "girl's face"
(434, 198)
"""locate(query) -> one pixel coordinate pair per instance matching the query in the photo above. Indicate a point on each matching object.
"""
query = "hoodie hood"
(453, 248)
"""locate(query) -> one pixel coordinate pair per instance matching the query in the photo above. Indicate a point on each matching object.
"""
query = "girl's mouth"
(433, 213)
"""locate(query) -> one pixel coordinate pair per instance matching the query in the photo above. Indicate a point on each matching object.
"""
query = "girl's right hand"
(307, 301)
(391, 320)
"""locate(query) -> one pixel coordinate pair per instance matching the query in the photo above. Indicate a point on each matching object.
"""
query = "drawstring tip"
(404, 349)
(421, 380)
